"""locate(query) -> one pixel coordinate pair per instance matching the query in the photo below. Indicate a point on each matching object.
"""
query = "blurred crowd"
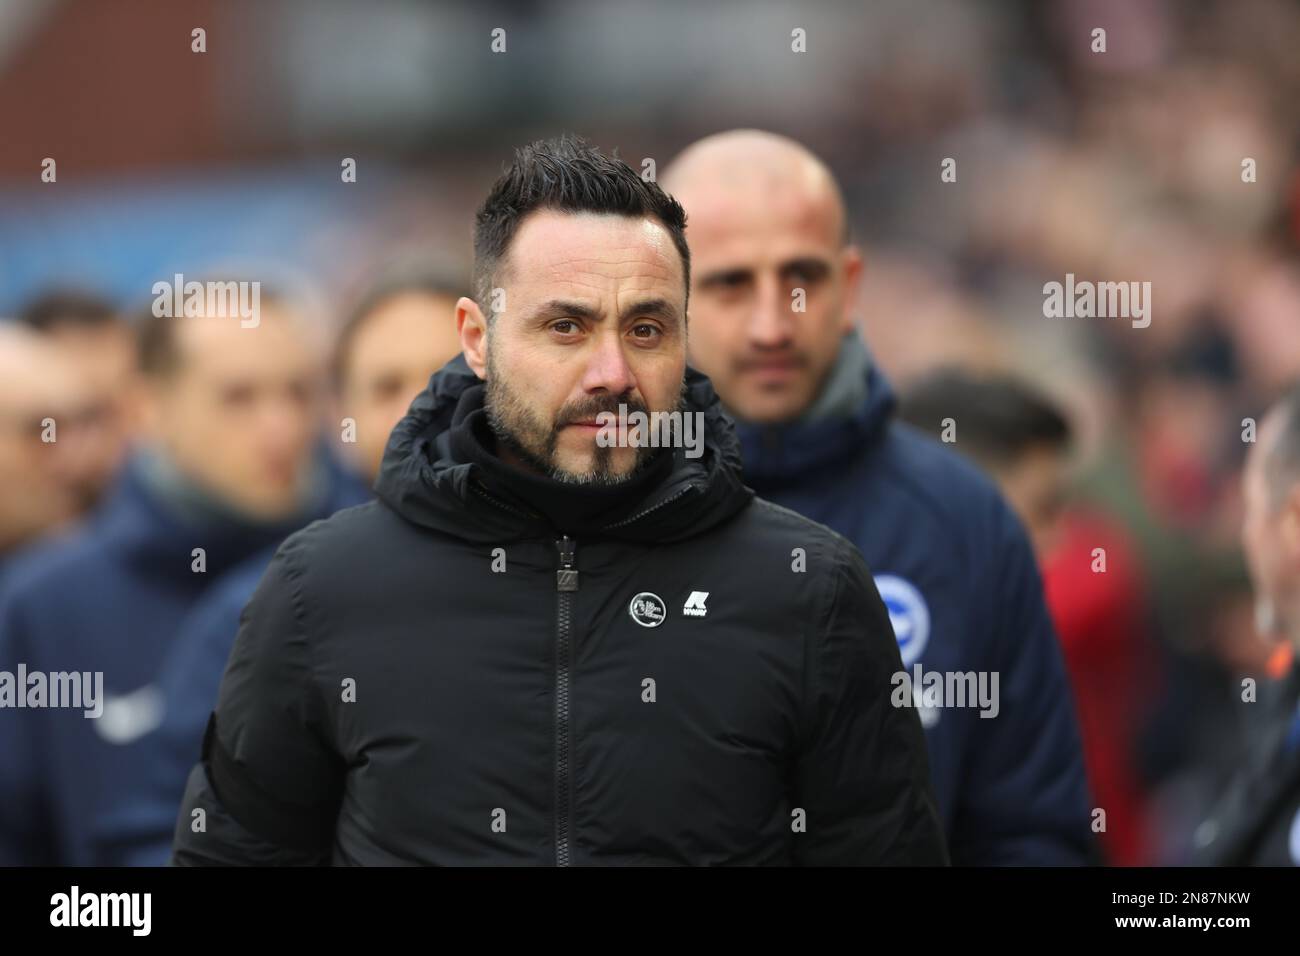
(1126, 166)
(1128, 170)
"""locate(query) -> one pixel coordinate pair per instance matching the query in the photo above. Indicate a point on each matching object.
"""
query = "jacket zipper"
(566, 582)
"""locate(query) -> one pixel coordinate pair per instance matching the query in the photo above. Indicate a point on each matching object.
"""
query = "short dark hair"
(569, 175)
(401, 279)
(157, 351)
(59, 309)
(999, 417)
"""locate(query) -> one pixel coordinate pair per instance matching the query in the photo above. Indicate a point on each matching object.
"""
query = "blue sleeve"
(141, 832)
(1025, 795)
(26, 831)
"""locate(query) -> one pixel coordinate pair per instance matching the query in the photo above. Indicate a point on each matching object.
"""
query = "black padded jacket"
(444, 676)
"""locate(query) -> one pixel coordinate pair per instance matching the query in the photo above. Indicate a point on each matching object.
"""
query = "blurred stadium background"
(1126, 164)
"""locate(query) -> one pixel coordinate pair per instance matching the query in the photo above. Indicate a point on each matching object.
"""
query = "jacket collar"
(152, 533)
(849, 414)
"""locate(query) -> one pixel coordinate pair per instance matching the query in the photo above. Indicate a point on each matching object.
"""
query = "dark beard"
(516, 428)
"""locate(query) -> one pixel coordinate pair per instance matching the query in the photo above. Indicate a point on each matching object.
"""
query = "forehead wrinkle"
(585, 263)
(596, 282)
(646, 246)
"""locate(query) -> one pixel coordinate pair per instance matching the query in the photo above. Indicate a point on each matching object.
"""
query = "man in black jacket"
(543, 645)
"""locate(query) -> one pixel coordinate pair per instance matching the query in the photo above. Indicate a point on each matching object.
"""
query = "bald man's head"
(743, 163)
(773, 274)
(38, 394)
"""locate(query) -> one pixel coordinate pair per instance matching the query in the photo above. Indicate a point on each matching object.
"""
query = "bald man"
(38, 394)
(773, 277)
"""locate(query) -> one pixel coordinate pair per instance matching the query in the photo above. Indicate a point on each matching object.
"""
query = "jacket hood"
(425, 481)
(852, 411)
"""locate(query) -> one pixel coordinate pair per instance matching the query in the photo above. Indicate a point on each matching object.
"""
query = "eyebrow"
(815, 266)
(562, 308)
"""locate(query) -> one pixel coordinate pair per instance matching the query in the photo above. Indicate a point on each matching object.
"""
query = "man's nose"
(771, 321)
(607, 367)
(281, 420)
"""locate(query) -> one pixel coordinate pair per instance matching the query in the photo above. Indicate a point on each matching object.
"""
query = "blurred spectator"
(1023, 441)
(1257, 821)
(225, 470)
(101, 348)
(401, 331)
(37, 387)
(399, 334)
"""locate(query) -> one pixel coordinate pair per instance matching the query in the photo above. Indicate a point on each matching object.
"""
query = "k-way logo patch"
(694, 606)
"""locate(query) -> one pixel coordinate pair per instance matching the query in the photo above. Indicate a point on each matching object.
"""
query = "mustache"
(588, 410)
(756, 360)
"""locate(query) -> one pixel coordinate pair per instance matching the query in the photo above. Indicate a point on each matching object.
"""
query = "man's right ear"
(472, 326)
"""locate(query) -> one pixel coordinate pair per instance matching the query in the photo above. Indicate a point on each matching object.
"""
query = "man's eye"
(237, 396)
(564, 326)
(805, 273)
(645, 331)
(301, 392)
(805, 277)
(386, 387)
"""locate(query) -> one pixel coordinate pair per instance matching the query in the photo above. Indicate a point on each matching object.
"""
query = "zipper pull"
(566, 578)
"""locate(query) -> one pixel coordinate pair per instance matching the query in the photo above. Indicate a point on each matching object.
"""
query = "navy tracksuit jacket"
(959, 577)
(111, 596)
